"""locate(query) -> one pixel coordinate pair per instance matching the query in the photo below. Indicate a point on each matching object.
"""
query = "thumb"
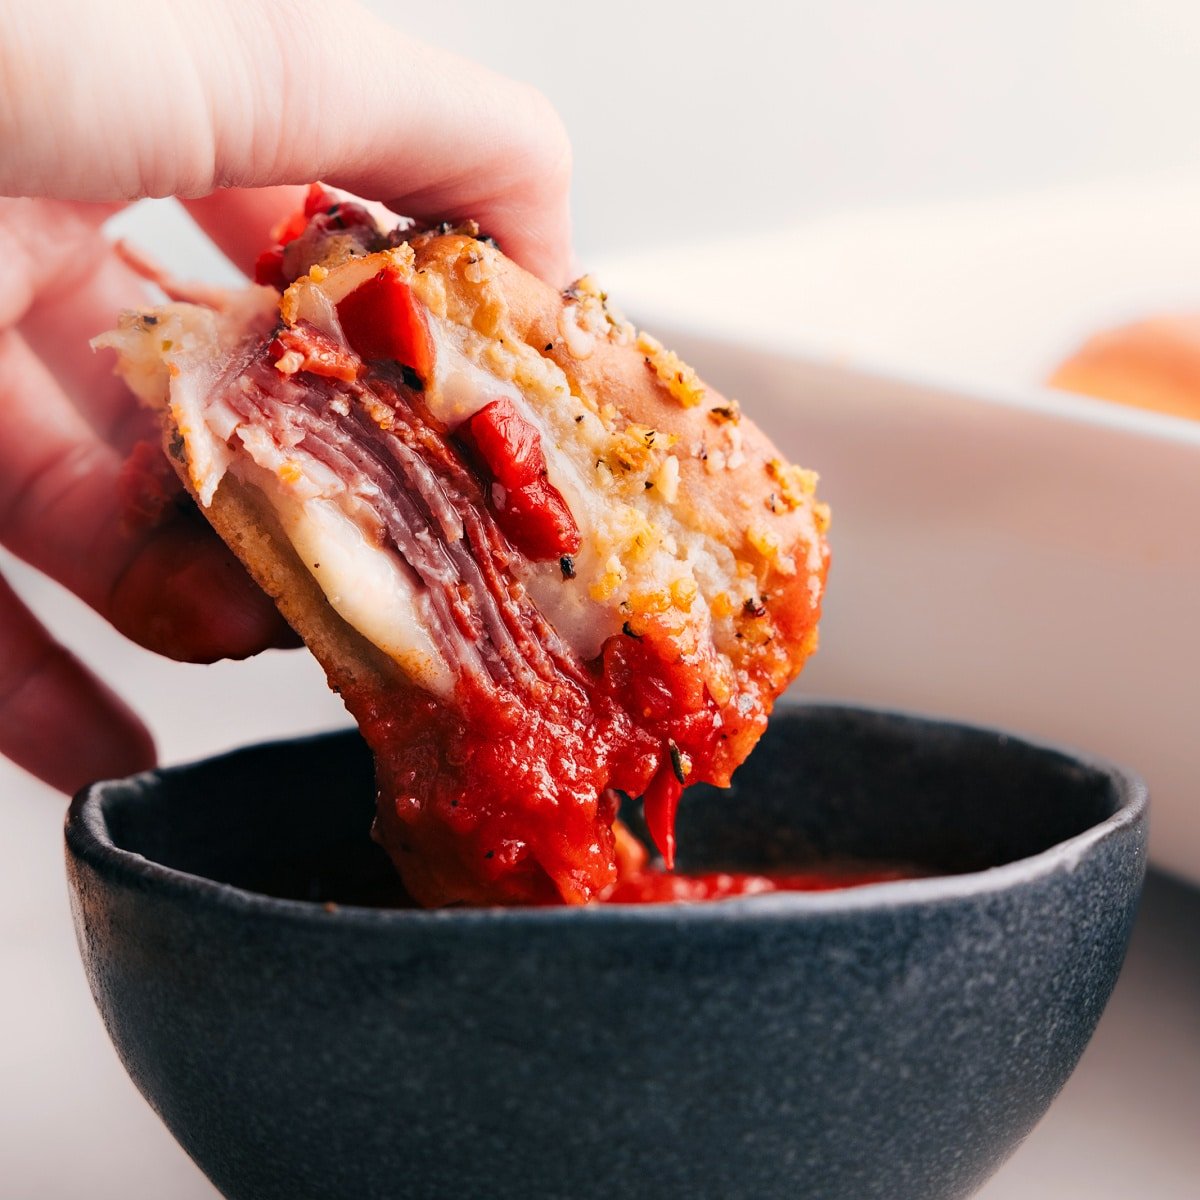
(188, 98)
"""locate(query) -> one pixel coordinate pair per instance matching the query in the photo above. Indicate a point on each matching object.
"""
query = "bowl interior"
(293, 820)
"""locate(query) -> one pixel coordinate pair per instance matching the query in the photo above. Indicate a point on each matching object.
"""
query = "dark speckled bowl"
(893, 1041)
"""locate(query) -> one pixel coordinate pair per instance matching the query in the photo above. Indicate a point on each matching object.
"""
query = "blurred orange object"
(1152, 364)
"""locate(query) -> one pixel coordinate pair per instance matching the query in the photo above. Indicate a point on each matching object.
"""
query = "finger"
(63, 286)
(57, 719)
(189, 98)
(182, 593)
(175, 589)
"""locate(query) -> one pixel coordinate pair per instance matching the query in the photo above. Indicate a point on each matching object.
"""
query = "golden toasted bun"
(756, 504)
(1151, 364)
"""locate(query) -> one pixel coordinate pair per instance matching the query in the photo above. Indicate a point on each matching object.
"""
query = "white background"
(689, 121)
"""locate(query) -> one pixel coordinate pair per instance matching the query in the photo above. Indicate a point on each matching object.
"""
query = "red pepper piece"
(289, 230)
(528, 507)
(536, 519)
(382, 320)
(659, 804)
(509, 446)
(268, 269)
(317, 200)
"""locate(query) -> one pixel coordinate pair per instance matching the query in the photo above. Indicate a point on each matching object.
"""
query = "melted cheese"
(364, 584)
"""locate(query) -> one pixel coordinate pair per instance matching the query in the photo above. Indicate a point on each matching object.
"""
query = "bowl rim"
(88, 840)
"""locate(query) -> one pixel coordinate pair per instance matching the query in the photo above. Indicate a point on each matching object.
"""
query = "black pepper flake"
(453, 803)
(412, 379)
(754, 608)
(647, 485)
(149, 319)
(724, 412)
(490, 854)
(549, 347)
(566, 565)
(627, 630)
(676, 761)
(579, 418)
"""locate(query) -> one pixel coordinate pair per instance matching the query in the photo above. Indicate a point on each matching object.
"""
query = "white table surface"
(1127, 1124)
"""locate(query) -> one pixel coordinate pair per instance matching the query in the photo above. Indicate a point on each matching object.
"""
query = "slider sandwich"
(540, 560)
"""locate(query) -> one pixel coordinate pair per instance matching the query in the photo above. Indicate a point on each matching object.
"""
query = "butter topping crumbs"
(666, 479)
(683, 593)
(591, 313)
(606, 586)
(477, 262)
(289, 362)
(769, 544)
(378, 412)
(679, 379)
(642, 603)
(720, 413)
(580, 342)
(633, 449)
(795, 483)
(430, 289)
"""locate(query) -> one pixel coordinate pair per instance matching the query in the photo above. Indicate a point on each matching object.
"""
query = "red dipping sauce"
(661, 887)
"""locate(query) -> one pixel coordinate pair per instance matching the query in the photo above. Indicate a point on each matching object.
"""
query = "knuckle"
(544, 143)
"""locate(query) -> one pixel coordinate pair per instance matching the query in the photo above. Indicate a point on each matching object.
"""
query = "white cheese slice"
(363, 583)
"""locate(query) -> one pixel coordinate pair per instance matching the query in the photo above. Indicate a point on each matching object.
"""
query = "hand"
(103, 103)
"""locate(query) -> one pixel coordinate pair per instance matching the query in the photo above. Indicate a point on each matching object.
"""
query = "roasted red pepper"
(508, 445)
(317, 200)
(382, 320)
(268, 267)
(527, 506)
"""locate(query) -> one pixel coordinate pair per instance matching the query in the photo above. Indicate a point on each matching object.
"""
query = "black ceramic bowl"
(893, 1041)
